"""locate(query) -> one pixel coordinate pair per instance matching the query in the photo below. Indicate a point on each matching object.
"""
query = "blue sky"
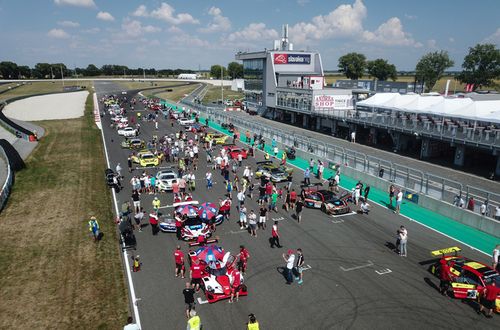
(193, 33)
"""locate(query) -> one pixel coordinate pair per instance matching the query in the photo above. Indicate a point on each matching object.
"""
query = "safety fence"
(7, 185)
(411, 179)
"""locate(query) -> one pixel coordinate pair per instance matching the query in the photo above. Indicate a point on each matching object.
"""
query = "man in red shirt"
(293, 198)
(195, 274)
(178, 225)
(269, 190)
(235, 285)
(244, 256)
(488, 300)
(225, 208)
(444, 277)
(275, 239)
(179, 262)
(153, 221)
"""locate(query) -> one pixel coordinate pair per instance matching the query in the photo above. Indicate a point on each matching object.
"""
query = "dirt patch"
(52, 275)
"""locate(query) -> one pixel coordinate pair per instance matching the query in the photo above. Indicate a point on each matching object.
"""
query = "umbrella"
(207, 211)
(188, 210)
(210, 253)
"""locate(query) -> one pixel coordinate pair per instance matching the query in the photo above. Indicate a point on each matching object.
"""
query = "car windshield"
(167, 176)
(276, 171)
(493, 277)
(334, 201)
(148, 156)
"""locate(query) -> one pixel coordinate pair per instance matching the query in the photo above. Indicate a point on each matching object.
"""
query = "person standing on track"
(235, 285)
(194, 322)
(252, 324)
(275, 236)
(208, 177)
(444, 277)
(488, 299)
(391, 194)
(307, 176)
(136, 199)
(399, 201)
(243, 216)
(496, 258)
(153, 221)
(244, 255)
(290, 260)
(403, 240)
(299, 266)
(252, 222)
(262, 217)
(179, 262)
(298, 209)
(195, 274)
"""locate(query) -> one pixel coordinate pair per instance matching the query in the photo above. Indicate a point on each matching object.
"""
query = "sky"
(194, 34)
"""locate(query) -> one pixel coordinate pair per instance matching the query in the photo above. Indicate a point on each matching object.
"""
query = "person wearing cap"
(94, 228)
(290, 260)
(252, 324)
(156, 204)
(194, 322)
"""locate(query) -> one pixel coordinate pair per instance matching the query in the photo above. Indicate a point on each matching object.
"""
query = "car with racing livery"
(128, 131)
(218, 138)
(335, 205)
(146, 158)
(185, 121)
(275, 173)
(196, 128)
(133, 144)
(165, 179)
(233, 151)
(468, 277)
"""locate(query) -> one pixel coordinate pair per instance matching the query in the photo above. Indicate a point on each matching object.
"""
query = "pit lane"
(330, 297)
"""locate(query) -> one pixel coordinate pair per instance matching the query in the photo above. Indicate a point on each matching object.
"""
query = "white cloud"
(218, 23)
(494, 38)
(76, 3)
(432, 44)
(253, 32)
(390, 33)
(92, 30)
(141, 11)
(105, 16)
(166, 13)
(302, 2)
(184, 40)
(58, 34)
(345, 20)
(410, 17)
(451, 39)
(69, 24)
(134, 28)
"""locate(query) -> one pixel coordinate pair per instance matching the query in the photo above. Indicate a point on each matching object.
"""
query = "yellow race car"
(146, 158)
(217, 138)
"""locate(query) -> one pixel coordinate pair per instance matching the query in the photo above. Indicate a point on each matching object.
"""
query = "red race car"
(468, 277)
(233, 151)
(218, 272)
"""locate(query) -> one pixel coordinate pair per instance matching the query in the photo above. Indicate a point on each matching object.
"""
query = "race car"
(119, 119)
(185, 121)
(146, 158)
(133, 144)
(233, 151)
(194, 227)
(468, 277)
(275, 173)
(128, 131)
(217, 138)
(165, 179)
(196, 128)
(218, 274)
(335, 206)
(121, 125)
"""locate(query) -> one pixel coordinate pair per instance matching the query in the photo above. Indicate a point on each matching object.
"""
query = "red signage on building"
(280, 58)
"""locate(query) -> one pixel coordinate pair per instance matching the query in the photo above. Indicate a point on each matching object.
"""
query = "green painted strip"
(447, 226)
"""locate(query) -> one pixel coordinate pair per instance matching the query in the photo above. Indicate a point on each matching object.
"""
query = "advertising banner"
(333, 102)
(282, 58)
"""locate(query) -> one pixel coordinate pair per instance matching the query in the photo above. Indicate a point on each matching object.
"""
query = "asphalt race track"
(355, 280)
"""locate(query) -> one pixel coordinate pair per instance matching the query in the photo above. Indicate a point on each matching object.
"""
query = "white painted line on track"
(337, 221)
(278, 219)
(239, 231)
(369, 264)
(201, 301)
(383, 271)
(307, 267)
(343, 215)
(125, 253)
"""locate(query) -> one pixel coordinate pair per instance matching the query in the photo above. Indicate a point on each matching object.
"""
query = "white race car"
(185, 121)
(165, 179)
(128, 131)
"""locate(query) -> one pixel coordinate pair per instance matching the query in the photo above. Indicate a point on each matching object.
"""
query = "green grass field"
(52, 274)
(214, 94)
(30, 88)
(144, 84)
(175, 95)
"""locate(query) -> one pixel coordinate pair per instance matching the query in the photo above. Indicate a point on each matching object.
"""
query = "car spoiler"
(265, 162)
(185, 203)
(445, 251)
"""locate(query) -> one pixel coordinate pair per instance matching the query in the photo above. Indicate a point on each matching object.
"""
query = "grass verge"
(30, 88)
(175, 95)
(214, 94)
(128, 84)
(52, 275)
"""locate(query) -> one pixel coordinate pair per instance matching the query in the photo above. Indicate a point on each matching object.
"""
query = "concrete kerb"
(308, 156)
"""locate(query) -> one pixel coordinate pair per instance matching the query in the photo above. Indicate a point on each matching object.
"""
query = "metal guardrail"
(7, 185)
(411, 179)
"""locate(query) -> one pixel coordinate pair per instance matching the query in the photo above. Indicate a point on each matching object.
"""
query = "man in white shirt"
(482, 209)
(337, 181)
(496, 258)
(208, 176)
(403, 239)
(246, 173)
(497, 213)
(241, 197)
(399, 200)
(290, 260)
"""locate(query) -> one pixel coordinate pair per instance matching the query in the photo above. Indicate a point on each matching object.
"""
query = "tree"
(215, 71)
(42, 71)
(92, 71)
(381, 70)
(353, 65)
(24, 71)
(8, 70)
(431, 66)
(235, 70)
(481, 66)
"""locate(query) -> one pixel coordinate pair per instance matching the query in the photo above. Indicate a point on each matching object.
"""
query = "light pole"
(222, 85)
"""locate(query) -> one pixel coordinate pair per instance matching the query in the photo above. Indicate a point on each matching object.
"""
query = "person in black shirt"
(262, 217)
(298, 209)
(188, 293)
(299, 265)
(262, 193)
